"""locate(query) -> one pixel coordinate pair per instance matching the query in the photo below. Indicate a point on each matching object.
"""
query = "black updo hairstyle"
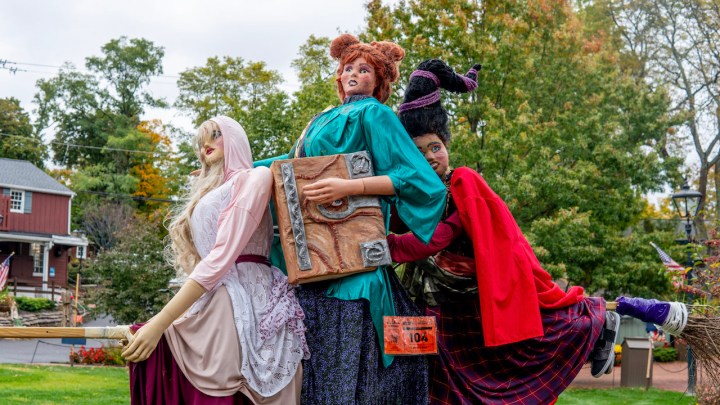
(433, 118)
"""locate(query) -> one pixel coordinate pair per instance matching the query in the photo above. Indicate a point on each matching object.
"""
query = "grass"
(618, 396)
(28, 384)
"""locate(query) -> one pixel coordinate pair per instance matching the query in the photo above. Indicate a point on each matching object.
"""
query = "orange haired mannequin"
(383, 56)
(344, 317)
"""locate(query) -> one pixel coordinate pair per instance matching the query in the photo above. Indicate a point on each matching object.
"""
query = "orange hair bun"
(391, 50)
(340, 44)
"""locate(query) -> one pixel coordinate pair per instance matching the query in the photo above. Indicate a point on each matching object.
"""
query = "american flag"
(669, 263)
(4, 270)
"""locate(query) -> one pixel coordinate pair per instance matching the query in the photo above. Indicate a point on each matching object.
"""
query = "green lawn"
(618, 396)
(26, 384)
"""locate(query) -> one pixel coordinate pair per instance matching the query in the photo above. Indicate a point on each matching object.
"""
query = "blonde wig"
(180, 250)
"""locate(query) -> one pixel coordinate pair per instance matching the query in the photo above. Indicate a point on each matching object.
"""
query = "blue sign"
(74, 341)
(52, 271)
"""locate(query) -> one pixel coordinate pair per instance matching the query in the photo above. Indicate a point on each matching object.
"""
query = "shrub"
(133, 275)
(665, 354)
(109, 356)
(34, 304)
(113, 356)
(5, 301)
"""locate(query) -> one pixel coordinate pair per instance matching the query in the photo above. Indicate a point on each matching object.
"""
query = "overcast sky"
(51, 32)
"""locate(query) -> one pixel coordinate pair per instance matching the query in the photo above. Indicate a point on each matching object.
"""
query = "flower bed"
(108, 356)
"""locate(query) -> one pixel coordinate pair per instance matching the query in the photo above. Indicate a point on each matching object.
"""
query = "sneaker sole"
(607, 367)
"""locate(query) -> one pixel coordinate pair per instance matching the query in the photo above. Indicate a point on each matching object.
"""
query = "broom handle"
(113, 332)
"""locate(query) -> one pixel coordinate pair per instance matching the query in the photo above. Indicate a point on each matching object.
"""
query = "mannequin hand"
(144, 342)
(147, 337)
(328, 190)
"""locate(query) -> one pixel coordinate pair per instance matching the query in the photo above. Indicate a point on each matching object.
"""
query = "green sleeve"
(419, 193)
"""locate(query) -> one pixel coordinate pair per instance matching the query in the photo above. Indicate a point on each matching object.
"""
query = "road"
(28, 351)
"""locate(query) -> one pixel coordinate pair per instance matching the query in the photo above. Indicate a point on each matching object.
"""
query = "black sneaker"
(603, 354)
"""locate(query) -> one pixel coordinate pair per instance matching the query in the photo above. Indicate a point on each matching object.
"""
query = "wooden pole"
(110, 332)
(77, 292)
(649, 365)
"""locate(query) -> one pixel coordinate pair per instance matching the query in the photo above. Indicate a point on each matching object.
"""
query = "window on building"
(37, 250)
(17, 200)
(80, 252)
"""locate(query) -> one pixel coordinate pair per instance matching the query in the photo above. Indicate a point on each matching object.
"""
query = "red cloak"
(512, 284)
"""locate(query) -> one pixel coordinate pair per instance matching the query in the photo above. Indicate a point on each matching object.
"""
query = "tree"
(569, 139)
(128, 66)
(133, 276)
(105, 151)
(86, 109)
(245, 91)
(677, 43)
(154, 165)
(316, 71)
(17, 138)
(103, 223)
(140, 171)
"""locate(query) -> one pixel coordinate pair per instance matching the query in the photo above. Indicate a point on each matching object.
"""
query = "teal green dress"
(419, 199)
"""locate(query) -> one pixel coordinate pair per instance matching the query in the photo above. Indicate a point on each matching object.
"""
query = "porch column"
(46, 266)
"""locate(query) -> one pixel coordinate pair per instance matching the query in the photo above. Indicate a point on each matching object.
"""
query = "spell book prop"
(325, 241)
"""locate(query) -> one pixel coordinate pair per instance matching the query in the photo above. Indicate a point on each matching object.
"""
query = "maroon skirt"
(159, 380)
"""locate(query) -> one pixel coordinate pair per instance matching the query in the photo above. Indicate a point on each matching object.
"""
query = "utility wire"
(32, 64)
(88, 146)
(101, 193)
(134, 197)
(4, 62)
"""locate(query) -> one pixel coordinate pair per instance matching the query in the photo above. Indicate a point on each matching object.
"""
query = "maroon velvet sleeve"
(407, 247)
(396, 224)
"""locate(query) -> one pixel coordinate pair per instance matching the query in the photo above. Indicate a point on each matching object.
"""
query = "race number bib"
(410, 335)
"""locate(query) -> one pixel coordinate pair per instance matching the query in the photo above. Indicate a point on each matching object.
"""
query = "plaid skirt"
(533, 371)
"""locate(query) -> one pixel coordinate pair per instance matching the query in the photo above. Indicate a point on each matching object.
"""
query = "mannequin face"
(434, 151)
(212, 150)
(358, 77)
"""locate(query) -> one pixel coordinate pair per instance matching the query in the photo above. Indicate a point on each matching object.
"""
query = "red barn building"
(35, 224)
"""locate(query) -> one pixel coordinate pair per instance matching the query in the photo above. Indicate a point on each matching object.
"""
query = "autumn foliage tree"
(568, 138)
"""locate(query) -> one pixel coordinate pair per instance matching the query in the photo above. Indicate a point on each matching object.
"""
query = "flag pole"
(6, 273)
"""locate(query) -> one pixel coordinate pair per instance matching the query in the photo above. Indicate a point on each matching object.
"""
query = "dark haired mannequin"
(506, 332)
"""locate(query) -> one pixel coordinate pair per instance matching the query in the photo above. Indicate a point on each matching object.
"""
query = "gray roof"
(24, 175)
